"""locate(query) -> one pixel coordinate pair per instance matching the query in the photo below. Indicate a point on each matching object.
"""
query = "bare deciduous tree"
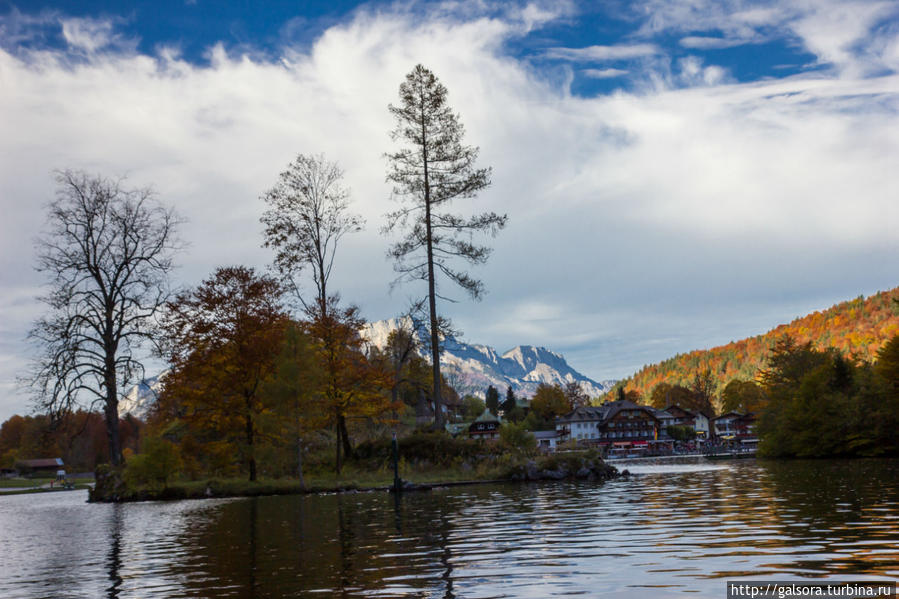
(308, 214)
(107, 252)
(431, 169)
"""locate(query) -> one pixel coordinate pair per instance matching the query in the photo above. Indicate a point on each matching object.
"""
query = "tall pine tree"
(431, 168)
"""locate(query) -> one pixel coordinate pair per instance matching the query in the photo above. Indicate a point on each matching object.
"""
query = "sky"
(677, 173)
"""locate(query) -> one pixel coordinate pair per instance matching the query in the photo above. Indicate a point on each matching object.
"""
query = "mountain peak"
(471, 368)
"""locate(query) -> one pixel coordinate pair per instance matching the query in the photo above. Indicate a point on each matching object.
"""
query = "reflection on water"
(668, 464)
(675, 528)
(114, 561)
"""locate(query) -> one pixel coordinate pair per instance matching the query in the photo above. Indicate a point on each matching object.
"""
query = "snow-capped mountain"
(471, 368)
(140, 397)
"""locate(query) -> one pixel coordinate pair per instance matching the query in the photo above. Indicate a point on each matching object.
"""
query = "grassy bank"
(351, 479)
(357, 476)
(20, 486)
(7, 483)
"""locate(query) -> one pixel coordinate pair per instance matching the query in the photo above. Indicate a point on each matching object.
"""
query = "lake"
(675, 528)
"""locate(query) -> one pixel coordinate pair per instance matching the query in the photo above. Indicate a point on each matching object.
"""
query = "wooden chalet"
(627, 422)
(485, 426)
(618, 422)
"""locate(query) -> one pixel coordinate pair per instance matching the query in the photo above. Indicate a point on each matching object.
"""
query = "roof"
(618, 406)
(690, 413)
(455, 428)
(661, 414)
(41, 463)
(672, 408)
(731, 415)
(603, 412)
(546, 434)
(487, 416)
(585, 413)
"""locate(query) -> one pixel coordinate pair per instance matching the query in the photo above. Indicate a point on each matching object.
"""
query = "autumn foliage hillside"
(857, 327)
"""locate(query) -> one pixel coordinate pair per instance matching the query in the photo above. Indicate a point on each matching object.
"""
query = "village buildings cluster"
(625, 428)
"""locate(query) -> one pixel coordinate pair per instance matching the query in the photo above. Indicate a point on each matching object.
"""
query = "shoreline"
(176, 493)
(34, 490)
(110, 487)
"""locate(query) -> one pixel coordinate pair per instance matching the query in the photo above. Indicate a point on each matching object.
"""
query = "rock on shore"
(560, 467)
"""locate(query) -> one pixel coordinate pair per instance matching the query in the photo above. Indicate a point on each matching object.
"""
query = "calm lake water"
(670, 530)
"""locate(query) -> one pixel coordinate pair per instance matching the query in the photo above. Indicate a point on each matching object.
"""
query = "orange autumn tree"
(354, 384)
(223, 340)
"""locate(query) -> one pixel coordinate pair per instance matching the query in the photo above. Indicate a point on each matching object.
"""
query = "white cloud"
(839, 33)
(690, 204)
(603, 53)
(17, 27)
(732, 19)
(89, 35)
(693, 72)
(604, 73)
(711, 43)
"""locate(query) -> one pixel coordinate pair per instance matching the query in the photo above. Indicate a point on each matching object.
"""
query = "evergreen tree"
(492, 400)
(509, 403)
(431, 169)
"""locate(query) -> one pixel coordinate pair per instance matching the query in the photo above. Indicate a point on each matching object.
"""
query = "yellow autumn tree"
(353, 384)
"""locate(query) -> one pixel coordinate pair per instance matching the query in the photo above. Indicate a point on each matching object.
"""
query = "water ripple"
(668, 530)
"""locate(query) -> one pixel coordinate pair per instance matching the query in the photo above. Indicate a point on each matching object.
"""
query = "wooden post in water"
(397, 483)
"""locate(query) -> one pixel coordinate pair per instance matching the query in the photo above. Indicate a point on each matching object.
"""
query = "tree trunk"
(337, 444)
(432, 290)
(112, 432)
(300, 463)
(111, 411)
(345, 436)
(395, 392)
(250, 449)
(421, 409)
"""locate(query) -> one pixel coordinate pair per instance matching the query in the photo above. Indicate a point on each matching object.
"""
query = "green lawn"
(33, 485)
(7, 483)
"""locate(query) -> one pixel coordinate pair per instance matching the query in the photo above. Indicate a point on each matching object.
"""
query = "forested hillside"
(857, 327)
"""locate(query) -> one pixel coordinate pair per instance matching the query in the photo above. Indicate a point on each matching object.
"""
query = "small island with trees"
(266, 369)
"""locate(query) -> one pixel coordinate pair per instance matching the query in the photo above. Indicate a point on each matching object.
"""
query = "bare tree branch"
(308, 214)
(107, 254)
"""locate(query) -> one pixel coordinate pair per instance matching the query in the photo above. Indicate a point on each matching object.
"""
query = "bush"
(568, 461)
(433, 447)
(159, 462)
(681, 433)
(517, 438)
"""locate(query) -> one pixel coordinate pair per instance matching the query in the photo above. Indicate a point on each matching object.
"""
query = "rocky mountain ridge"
(470, 367)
